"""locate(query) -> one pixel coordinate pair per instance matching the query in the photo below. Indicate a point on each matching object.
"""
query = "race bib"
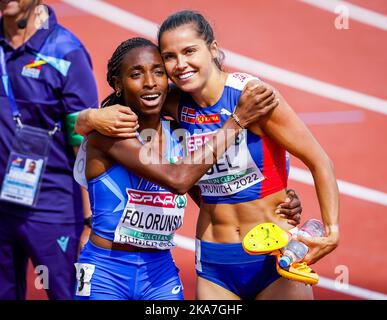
(84, 272)
(150, 219)
(234, 171)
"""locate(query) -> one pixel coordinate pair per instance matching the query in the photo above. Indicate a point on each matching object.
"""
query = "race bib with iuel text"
(235, 171)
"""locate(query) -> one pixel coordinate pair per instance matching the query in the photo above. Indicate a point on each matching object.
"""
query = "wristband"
(237, 120)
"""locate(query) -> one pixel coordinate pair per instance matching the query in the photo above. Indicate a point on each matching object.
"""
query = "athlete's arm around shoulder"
(146, 161)
(284, 127)
(120, 121)
(114, 121)
(104, 151)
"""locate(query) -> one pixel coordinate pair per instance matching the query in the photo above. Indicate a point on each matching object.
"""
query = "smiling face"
(188, 59)
(143, 81)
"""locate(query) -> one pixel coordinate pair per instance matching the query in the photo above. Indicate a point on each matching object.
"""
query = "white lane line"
(355, 12)
(347, 188)
(62, 10)
(149, 29)
(117, 16)
(332, 117)
(351, 290)
(326, 283)
(304, 83)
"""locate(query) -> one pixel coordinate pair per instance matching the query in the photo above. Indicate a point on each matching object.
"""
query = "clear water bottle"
(295, 250)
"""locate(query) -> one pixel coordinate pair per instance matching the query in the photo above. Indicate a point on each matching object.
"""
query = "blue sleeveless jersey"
(252, 168)
(129, 209)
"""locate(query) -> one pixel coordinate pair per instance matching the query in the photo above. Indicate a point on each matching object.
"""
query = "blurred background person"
(47, 79)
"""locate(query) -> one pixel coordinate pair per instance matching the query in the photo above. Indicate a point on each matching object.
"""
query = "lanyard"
(8, 88)
(11, 98)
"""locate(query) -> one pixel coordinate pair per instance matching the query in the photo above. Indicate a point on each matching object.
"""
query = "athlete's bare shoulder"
(97, 161)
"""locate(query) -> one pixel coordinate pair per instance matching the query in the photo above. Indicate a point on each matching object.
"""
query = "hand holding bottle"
(319, 246)
(310, 245)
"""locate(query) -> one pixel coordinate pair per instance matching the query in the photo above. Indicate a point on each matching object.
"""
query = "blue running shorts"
(104, 274)
(229, 266)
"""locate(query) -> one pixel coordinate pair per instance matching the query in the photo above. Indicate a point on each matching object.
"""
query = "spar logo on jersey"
(32, 70)
(164, 199)
(188, 115)
(196, 141)
(208, 118)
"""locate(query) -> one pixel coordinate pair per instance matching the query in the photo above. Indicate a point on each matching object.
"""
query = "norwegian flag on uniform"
(188, 115)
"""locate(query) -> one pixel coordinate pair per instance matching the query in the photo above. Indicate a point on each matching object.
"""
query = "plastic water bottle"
(295, 250)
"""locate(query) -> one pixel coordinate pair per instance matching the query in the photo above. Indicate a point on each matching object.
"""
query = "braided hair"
(115, 64)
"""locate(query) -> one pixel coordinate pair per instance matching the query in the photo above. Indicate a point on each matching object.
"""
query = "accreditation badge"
(26, 164)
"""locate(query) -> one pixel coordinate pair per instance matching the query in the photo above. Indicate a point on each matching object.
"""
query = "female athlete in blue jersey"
(136, 192)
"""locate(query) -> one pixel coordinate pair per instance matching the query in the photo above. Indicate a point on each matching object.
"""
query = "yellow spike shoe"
(265, 238)
(298, 271)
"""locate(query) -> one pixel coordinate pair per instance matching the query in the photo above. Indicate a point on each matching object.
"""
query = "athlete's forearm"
(147, 162)
(286, 129)
(328, 195)
(114, 121)
(193, 167)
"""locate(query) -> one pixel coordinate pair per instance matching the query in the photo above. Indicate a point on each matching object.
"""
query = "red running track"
(300, 38)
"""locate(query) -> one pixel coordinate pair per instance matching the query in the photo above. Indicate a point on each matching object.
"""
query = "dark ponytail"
(203, 28)
(114, 67)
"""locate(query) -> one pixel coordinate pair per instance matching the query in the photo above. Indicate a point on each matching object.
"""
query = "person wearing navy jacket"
(47, 79)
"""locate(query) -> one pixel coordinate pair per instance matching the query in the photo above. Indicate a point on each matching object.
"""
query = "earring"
(118, 94)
